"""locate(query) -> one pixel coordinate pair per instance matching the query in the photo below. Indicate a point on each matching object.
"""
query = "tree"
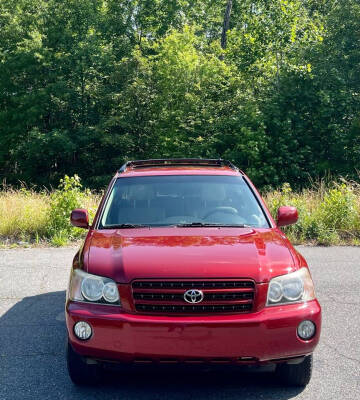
(87, 84)
(226, 23)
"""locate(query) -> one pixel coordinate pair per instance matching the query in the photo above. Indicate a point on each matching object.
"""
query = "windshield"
(182, 200)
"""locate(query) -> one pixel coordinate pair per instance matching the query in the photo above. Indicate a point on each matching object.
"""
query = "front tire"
(79, 371)
(296, 374)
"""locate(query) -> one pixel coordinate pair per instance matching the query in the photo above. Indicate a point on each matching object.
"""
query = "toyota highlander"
(183, 264)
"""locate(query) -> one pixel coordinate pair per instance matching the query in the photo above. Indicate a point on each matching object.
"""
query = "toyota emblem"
(193, 296)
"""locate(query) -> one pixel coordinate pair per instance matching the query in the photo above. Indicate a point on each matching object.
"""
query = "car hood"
(127, 254)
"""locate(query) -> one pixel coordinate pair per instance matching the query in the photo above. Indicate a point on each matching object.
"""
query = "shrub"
(68, 196)
(327, 214)
(62, 201)
(338, 209)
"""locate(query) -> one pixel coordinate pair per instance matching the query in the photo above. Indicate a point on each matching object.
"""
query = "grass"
(23, 215)
(31, 217)
(329, 213)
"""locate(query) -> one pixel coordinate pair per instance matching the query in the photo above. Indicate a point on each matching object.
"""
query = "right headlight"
(92, 288)
(295, 287)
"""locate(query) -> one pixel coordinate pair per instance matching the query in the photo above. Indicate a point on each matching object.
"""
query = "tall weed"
(23, 214)
(67, 197)
(329, 213)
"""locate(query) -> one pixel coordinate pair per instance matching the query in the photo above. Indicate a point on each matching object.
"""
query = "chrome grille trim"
(166, 296)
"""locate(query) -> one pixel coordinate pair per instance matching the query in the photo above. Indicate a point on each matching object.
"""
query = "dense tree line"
(88, 84)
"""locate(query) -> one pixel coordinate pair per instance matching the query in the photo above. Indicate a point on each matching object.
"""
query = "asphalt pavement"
(32, 338)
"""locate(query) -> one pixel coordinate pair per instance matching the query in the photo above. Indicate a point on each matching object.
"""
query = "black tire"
(295, 374)
(79, 371)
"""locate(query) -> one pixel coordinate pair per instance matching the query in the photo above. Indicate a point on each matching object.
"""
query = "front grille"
(180, 296)
(219, 296)
(191, 284)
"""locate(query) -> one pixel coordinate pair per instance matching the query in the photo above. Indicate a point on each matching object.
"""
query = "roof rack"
(168, 162)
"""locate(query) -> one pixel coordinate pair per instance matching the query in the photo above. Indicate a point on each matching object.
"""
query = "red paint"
(266, 335)
(170, 253)
(287, 216)
(126, 254)
(80, 218)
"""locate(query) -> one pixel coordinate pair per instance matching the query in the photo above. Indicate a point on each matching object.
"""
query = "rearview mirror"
(80, 218)
(286, 216)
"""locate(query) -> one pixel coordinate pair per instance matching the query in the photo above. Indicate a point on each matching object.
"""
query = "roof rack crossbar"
(178, 162)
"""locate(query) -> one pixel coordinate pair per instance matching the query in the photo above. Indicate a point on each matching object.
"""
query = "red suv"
(183, 264)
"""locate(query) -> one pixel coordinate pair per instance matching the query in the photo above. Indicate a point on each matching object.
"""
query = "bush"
(67, 197)
(62, 201)
(338, 209)
(327, 215)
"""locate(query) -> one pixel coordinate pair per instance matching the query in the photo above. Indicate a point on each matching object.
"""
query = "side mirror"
(80, 218)
(286, 216)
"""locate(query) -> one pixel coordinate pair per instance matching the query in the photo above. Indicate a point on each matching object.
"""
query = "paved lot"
(32, 337)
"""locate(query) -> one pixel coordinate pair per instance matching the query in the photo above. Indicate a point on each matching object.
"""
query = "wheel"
(79, 371)
(296, 374)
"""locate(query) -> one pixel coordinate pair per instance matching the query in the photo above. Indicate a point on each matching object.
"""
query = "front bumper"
(263, 336)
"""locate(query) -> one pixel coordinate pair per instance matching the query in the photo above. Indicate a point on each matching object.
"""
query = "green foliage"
(67, 197)
(27, 216)
(88, 84)
(339, 207)
(327, 215)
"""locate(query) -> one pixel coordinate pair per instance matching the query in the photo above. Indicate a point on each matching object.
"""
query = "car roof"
(178, 166)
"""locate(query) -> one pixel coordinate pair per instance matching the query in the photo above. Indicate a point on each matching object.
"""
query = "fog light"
(306, 330)
(82, 330)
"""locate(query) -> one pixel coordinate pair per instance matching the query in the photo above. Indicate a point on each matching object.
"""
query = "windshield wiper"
(125, 226)
(205, 224)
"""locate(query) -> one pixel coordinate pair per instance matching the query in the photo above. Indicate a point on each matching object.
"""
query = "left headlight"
(92, 288)
(291, 288)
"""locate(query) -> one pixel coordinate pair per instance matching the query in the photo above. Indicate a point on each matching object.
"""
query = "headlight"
(92, 288)
(110, 292)
(291, 288)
